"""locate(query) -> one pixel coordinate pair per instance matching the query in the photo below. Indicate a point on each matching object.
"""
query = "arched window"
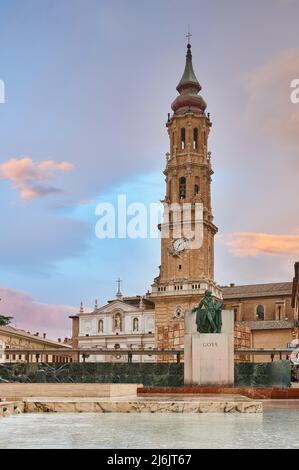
(135, 324)
(195, 138)
(183, 138)
(100, 326)
(196, 185)
(182, 187)
(260, 312)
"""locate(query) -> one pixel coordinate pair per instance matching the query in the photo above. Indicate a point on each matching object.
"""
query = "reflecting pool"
(277, 427)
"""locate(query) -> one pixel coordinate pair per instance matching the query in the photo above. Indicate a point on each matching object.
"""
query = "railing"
(75, 354)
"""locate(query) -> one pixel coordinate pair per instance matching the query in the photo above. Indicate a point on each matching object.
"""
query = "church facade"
(125, 323)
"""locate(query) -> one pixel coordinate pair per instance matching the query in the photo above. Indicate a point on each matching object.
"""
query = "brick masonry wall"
(242, 339)
(170, 337)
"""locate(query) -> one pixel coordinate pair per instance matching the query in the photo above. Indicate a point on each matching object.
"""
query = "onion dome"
(189, 100)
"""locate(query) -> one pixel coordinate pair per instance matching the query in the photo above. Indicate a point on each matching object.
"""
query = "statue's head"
(208, 293)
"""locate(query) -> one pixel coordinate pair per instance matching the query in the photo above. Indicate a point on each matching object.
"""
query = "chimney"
(44, 335)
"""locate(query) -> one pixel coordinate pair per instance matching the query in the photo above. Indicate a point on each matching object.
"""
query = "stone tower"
(187, 269)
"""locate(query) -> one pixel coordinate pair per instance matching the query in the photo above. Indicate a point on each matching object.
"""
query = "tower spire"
(188, 88)
(188, 79)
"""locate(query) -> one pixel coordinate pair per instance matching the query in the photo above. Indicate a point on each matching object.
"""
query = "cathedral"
(263, 313)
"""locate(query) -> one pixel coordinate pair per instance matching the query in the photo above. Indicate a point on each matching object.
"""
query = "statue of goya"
(208, 314)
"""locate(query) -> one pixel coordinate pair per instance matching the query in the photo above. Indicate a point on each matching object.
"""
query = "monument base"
(209, 357)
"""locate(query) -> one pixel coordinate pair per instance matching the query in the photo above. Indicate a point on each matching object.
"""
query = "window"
(100, 326)
(2, 347)
(235, 314)
(195, 138)
(196, 185)
(182, 187)
(183, 138)
(260, 312)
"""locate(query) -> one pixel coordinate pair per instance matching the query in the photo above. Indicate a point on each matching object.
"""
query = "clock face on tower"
(178, 246)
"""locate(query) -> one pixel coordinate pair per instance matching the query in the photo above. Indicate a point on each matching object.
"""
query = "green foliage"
(4, 321)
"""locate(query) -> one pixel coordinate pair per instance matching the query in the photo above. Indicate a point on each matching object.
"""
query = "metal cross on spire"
(118, 283)
(189, 34)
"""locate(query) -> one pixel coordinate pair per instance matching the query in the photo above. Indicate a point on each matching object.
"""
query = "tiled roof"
(257, 290)
(268, 324)
(15, 331)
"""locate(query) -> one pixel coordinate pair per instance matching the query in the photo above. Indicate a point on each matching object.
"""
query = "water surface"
(277, 427)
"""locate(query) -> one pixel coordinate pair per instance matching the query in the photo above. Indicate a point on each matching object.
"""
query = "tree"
(4, 321)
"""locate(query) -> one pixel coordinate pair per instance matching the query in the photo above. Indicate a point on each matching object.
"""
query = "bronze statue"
(208, 314)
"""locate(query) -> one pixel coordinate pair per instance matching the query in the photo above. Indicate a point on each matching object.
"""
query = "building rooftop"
(257, 290)
(268, 324)
(135, 300)
(17, 332)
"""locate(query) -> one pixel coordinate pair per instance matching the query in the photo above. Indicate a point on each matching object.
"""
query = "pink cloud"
(29, 314)
(243, 244)
(269, 105)
(31, 178)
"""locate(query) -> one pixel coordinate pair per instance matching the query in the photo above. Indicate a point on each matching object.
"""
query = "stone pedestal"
(209, 358)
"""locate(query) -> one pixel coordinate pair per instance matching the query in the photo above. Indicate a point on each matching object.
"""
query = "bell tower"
(187, 268)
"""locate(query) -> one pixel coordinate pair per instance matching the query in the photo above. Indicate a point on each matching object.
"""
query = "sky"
(88, 86)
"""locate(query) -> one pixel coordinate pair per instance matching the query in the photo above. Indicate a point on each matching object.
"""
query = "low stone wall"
(17, 391)
(263, 374)
(150, 374)
(247, 374)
